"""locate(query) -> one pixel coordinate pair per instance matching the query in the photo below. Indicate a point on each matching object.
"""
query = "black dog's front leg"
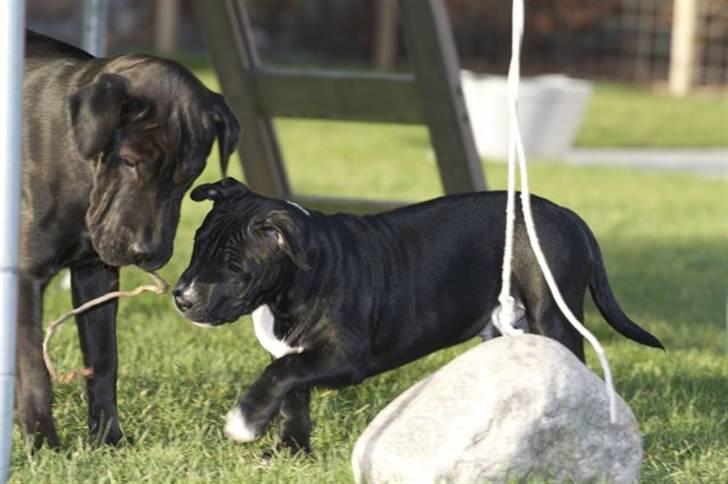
(295, 427)
(290, 373)
(97, 334)
(33, 388)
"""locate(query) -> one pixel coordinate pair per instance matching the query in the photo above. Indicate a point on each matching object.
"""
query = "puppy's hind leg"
(550, 322)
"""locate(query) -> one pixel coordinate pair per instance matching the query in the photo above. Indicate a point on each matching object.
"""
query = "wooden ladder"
(432, 95)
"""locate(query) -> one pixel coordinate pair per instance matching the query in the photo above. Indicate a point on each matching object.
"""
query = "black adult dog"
(109, 148)
(339, 298)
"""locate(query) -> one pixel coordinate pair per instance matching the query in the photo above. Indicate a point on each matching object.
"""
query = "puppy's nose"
(181, 298)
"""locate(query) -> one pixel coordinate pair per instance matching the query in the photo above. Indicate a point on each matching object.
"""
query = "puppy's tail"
(605, 301)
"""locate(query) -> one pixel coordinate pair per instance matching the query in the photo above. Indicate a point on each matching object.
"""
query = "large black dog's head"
(147, 126)
(245, 251)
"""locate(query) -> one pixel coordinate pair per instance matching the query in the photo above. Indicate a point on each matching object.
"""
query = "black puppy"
(338, 298)
(109, 148)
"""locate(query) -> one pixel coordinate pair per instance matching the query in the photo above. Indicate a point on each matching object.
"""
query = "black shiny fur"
(363, 295)
(109, 148)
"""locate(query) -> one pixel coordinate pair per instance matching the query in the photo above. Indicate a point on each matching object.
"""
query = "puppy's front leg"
(295, 433)
(293, 372)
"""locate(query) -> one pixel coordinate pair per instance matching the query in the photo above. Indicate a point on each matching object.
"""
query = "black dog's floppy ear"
(227, 130)
(96, 113)
(277, 230)
(219, 190)
(99, 108)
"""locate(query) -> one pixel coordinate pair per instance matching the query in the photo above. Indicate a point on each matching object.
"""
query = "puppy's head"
(245, 251)
(146, 126)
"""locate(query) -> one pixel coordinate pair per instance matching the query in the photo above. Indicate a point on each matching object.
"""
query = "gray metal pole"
(12, 23)
(95, 14)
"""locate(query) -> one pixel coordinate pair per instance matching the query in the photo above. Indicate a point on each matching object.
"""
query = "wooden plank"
(317, 94)
(432, 53)
(348, 205)
(231, 46)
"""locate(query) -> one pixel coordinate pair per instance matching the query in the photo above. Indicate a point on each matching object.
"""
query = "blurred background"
(657, 70)
(618, 40)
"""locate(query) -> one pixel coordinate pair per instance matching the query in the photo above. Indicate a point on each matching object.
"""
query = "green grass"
(621, 115)
(664, 240)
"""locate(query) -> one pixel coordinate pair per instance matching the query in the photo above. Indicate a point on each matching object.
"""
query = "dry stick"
(160, 287)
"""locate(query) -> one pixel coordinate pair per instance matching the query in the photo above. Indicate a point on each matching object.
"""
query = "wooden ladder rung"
(342, 95)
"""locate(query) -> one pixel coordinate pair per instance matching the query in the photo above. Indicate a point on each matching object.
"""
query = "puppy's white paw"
(236, 428)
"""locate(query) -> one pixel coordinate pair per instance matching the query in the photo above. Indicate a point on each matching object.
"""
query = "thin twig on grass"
(160, 287)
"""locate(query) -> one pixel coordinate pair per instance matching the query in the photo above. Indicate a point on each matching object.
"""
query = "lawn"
(621, 115)
(664, 241)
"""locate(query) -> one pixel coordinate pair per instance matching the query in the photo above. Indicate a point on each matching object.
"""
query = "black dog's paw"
(106, 431)
(39, 429)
(45, 434)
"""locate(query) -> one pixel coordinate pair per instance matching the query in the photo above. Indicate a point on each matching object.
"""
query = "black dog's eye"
(130, 109)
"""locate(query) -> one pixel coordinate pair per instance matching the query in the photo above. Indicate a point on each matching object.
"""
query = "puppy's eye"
(128, 162)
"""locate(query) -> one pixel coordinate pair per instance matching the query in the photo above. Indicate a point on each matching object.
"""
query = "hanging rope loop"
(503, 317)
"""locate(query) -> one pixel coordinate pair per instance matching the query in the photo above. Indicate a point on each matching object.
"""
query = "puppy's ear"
(220, 190)
(278, 231)
(227, 130)
(98, 109)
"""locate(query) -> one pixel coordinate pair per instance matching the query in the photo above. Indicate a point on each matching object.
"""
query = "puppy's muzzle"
(184, 297)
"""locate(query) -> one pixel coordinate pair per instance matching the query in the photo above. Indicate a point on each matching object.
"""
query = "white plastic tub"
(550, 107)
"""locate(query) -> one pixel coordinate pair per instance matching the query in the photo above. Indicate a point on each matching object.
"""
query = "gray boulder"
(509, 409)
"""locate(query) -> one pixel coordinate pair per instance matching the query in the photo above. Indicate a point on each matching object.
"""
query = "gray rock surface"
(510, 408)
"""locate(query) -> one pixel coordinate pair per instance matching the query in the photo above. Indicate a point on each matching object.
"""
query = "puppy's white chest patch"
(263, 323)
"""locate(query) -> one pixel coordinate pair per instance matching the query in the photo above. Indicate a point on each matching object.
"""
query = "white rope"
(504, 317)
